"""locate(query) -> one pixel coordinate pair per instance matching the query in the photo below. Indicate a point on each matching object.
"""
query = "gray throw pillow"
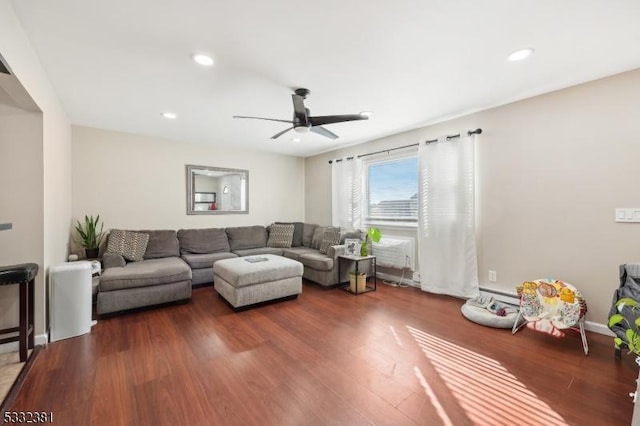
(331, 238)
(318, 235)
(280, 235)
(307, 233)
(128, 244)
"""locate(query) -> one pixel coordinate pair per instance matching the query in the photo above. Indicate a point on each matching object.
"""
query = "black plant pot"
(92, 253)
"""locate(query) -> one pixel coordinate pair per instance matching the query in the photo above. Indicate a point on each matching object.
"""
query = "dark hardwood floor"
(397, 356)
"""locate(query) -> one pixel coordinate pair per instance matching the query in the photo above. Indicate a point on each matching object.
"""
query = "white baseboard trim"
(38, 339)
(596, 327)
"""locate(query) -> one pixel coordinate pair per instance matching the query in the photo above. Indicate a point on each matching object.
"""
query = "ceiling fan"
(303, 122)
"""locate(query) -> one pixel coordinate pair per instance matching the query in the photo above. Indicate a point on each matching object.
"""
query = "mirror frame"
(190, 168)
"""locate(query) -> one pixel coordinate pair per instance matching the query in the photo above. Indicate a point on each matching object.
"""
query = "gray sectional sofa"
(175, 261)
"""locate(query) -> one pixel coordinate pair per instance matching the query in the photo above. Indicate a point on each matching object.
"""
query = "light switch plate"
(627, 214)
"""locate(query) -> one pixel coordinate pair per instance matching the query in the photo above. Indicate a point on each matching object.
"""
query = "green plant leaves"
(631, 309)
(618, 342)
(375, 234)
(615, 319)
(90, 236)
(626, 301)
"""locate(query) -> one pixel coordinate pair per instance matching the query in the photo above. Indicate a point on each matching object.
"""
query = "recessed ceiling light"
(366, 113)
(521, 54)
(203, 60)
(169, 115)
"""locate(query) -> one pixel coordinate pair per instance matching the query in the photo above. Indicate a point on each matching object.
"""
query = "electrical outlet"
(493, 277)
(416, 277)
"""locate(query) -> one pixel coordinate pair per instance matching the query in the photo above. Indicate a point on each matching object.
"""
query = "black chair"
(24, 275)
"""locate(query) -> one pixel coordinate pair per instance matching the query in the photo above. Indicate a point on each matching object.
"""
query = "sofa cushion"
(298, 230)
(246, 237)
(201, 241)
(307, 233)
(259, 250)
(318, 261)
(331, 238)
(280, 235)
(130, 245)
(295, 252)
(162, 243)
(206, 260)
(146, 273)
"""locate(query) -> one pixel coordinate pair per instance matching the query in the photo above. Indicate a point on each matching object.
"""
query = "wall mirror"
(216, 190)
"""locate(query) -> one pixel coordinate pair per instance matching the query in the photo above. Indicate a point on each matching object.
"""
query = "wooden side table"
(347, 259)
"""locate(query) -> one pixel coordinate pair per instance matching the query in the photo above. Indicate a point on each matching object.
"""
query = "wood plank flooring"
(397, 356)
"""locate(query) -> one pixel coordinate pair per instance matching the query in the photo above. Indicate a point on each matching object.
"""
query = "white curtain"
(346, 181)
(446, 218)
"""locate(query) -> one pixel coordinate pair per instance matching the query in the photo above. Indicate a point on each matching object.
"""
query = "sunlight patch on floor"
(487, 391)
(395, 335)
(446, 421)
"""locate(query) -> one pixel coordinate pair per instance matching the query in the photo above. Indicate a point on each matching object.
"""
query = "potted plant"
(357, 283)
(90, 236)
(631, 330)
(374, 235)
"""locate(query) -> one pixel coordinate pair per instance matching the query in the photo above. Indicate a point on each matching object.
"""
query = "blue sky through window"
(393, 180)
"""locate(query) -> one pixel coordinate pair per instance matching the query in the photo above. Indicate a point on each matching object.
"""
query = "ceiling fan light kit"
(303, 122)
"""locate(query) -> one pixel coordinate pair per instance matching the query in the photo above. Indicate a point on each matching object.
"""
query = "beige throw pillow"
(280, 235)
(331, 238)
(128, 244)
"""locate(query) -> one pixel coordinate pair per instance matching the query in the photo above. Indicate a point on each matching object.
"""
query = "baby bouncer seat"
(551, 306)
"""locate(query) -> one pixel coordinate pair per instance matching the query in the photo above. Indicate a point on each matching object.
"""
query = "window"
(392, 190)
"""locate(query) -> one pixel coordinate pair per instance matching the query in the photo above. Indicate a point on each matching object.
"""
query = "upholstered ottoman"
(249, 280)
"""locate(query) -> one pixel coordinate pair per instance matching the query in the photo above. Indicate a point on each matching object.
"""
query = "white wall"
(551, 170)
(21, 192)
(45, 232)
(139, 182)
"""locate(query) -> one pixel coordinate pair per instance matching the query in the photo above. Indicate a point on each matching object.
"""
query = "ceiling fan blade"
(299, 111)
(329, 119)
(277, 135)
(262, 118)
(324, 132)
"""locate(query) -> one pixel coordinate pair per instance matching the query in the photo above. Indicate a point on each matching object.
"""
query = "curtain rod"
(449, 137)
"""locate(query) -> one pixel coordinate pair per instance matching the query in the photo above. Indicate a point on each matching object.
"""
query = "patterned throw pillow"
(280, 235)
(128, 244)
(331, 238)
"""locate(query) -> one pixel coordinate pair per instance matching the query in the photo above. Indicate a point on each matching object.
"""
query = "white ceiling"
(118, 64)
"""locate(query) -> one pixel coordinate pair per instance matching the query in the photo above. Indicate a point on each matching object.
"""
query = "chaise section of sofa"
(201, 248)
(321, 268)
(160, 277)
